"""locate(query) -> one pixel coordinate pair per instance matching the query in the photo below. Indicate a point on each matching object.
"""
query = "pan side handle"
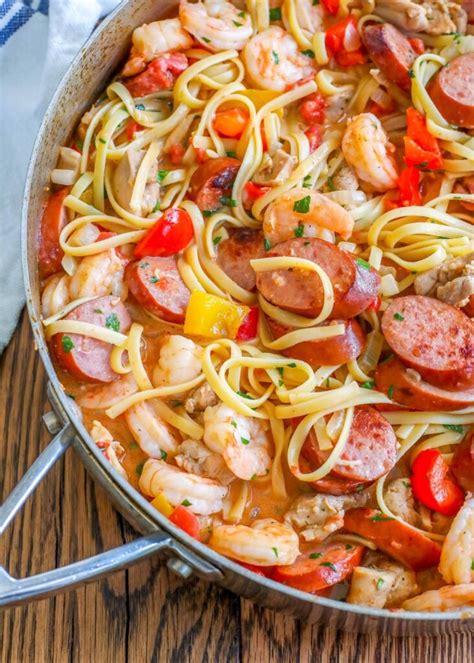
(15, 591)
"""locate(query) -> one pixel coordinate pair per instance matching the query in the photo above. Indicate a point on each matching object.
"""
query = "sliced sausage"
(160, 74)
(434, 338)
(157, 285)
(393, 537)
(452, 90)
(371, 447)
(235, 253)
(86, 358)
(462, 465)
(327, 352)
(405, 386)
(211, 181)
(363, 292)
(301, 291)
(53, 221)
(391, 51)
(325, 566)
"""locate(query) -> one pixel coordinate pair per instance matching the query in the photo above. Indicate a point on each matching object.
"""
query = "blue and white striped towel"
(38, 40)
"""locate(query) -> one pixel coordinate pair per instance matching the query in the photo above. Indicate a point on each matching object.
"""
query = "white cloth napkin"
(38, 40)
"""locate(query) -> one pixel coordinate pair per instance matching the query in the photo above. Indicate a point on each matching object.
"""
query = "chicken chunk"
(399, 499)
(433, 17)
(451, 282)
(370, 587)
(405, 583)
(200, 399)
(124, 182)
(275, 169)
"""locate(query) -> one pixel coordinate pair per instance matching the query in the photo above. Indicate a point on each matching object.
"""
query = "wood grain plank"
(145, 613)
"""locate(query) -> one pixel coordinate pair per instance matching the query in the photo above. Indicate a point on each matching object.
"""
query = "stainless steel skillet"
(87, 76)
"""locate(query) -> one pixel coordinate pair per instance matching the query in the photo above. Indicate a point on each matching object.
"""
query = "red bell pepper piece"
(409, 186)
(349, 58)
(186, 520)
(255, 191)
(171, 233)
(417, 45)
(315, 137)
(248, 329)
(132, 128)
(176, 153)
(312, 110)
(432, 486)
(331, 6)
(418, 135)
(417, 156)
(336, 33)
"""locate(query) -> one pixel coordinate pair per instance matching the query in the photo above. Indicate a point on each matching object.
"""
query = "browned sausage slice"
(462, 465)
(86, 358)
(53, 221)
(394, 538)
(362, 293)
(211, 181)
(301, 291)
(403, 385)
(452, 90)
(371, 447)
(434, 338)
(327, 352)
(391, 51)
(157, 285)
(235, 253)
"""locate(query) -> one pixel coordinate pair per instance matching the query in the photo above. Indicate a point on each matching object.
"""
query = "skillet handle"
(15, 591)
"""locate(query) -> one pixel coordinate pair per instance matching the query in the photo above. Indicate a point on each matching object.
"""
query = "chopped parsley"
(157, 207)
(360, 488)
(302, 205)
(330, 183)
(299, 230)
(280, 383)
(275, 550)
(244, 394)
(472, 565)
(348, 546)
(112, 322)
(186, 503)
(407, 484)
(233, 423)
(144, 265)
(231, 153)
(67, 343)
(216, 240)
(330, 565)
(315, 555)
(379, 517)
(98, 310)
(139, 106)
(398, 316)
(242, 14)
(154, 279)
(139, 469)
(308, 52)
(163, 454)
(369, 384)
(237, 24)
(380, 583)
(101, 140)
(161, 175)
(226, 200)
(307, 182)
(411, 73)
(457, 428)
(244, 440)
(176, 403)
(254, 476)
(208, 212)
(363, 263)
(280, 369)
(133, 445)
(292, 365)
(275, 14)
(275, 57)
(266, 245)
(206, 40)
(390, 391)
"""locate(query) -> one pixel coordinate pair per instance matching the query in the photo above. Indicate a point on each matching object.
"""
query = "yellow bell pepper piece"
(261, 97)
(212, 316)
(162, 505)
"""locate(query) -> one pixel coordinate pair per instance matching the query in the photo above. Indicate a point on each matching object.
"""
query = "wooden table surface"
(145, 613)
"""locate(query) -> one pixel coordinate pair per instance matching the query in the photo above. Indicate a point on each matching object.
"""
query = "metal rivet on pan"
(52, 422)
(179, 567)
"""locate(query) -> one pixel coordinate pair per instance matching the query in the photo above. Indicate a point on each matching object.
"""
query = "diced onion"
(324, 441)
(351, 41)
(375, 257)
(381, 98)
(371, 355)
(334, 425)
(87, 234)
(347, 246)
(69, 159)
(63, 177)
(389, 286)
(69, 264)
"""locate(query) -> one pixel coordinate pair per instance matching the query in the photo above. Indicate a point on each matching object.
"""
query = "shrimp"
(180, 361)
(310, 15)
(366, 148)
(273, 60)
(457, 554)
(109, 447)
(150, 431)
(194, 457)
(243, 441)
(202, 496)
(448, 597)
(265, 543)
(101, 397)
(281, 219)
(55, 294)
(98, 275)
(216, 24)
(153, 39)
